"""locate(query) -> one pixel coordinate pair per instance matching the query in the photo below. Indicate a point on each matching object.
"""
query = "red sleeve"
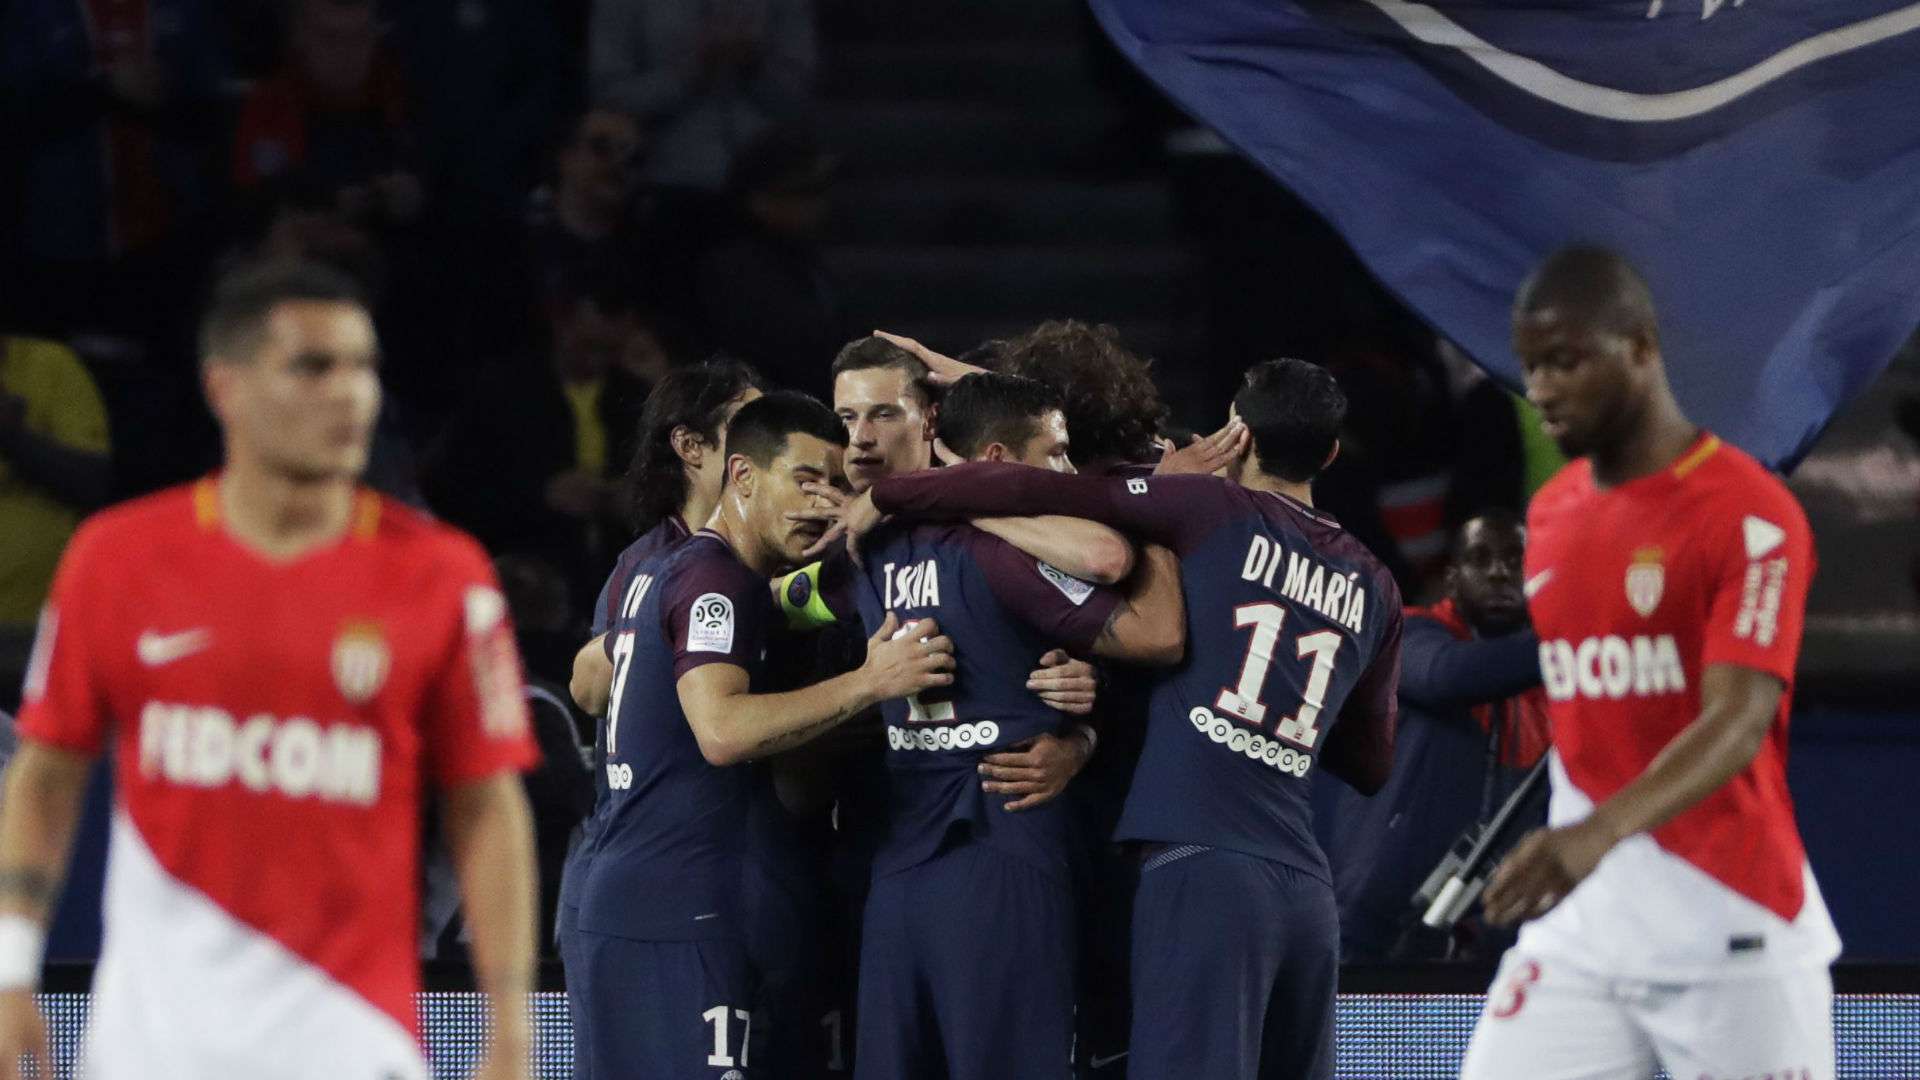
(1178, 511)
(63, 702)
(1760, 564)
(1063, 609)
(476, 722)
(717, 612)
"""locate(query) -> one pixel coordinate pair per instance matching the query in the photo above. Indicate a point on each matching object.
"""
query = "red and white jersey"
(1635, 591)
(275, 727)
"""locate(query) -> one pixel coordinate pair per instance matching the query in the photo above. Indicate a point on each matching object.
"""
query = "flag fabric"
(1758, 160)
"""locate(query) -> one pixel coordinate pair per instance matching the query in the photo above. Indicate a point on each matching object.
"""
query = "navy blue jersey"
(672, 831)
(1004, 610)
(662, 537)
(1292, 625)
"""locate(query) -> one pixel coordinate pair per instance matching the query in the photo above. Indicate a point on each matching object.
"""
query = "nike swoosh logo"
(1537, 582)
(1098, 1062)
(157, 650)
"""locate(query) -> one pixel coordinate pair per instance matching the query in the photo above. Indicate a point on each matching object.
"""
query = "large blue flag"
(1759, 160)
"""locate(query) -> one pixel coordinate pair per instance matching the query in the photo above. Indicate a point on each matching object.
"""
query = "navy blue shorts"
(1235, 964)
(1102, 1016)
(966, 971)
(798, 947)
(661, 1010)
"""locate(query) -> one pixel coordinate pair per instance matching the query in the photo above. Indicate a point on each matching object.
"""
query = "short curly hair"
(1112, 406)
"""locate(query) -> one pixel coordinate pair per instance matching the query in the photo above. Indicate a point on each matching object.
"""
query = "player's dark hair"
(1112, 407)
(236, 317)
(870, 353)
(1594, 286)
(696, 398)
(1294, 411)
(760, 430)
(989, 408)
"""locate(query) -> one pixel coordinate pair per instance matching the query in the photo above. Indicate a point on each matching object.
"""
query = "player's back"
(1288, 619)
(1635, 591)
(1003, 610)
(672, 828)
(273, 725)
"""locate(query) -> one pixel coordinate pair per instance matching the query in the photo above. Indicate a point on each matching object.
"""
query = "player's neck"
(697, 511)
(1653, 444)
(1255, 480)
(279, 516)
(746, 546)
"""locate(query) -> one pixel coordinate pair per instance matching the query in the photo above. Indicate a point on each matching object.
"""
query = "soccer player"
(1675, 917)
(280, 662)
(1291, 625)
(663, 968)
(936, 997)
(675, 479)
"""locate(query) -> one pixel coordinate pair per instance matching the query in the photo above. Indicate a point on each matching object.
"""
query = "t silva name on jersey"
(1612, 667)
(202, 746)
(911, 586)
(1337, 596)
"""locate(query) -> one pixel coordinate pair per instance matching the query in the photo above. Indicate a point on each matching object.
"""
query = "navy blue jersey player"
(967, 957)
(676, 476)
(1293, 652)
(659, 943)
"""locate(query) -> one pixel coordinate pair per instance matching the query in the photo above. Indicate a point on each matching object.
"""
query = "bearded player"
(1674, 917)
(281, 663)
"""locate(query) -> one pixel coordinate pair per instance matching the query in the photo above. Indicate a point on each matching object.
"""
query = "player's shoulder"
(706, 563)
(416, 536)
(1726, 472)
(1563, 491)
(144, 524)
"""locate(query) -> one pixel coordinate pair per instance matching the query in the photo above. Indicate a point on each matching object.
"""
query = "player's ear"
(741, 474)
(995, 452)
(930, 423)
(687, 445)
(1332, 456)
(217, 384)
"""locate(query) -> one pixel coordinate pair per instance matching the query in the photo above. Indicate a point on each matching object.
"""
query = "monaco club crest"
(360, 661)
(1646, 580)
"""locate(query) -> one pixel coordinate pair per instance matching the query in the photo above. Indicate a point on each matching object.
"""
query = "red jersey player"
(1675, 919)
(280, 663)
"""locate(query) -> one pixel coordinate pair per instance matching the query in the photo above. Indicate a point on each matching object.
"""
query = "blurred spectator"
(106, 106)
(583, 219)
(54, 467)
(488, 76)
(706, 75)
(1472, 721)
(529, 463)
(335, 118)
(766, 293)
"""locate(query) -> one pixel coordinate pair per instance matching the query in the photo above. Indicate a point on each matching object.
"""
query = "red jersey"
(274, 728)
(1635, 591)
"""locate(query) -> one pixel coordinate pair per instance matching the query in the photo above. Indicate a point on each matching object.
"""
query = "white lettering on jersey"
(1612, 667)
(1075, 590)
(1273, 753)
(38, 663)
(1339, 598)
(917, 585)
(1136, 486)
(1759, 617)
(203, 746)
(956, 737)
(710, 624)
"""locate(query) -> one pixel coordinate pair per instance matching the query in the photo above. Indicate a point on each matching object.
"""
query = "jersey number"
(1243, 699)
(623, 653)
(718, 1016)
(920, 712)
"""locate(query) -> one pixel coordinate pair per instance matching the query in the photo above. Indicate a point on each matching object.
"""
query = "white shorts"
(1546, 1020)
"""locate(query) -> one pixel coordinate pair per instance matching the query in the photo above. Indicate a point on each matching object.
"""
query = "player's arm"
(592, 681)
(1149, 624)
(1438, 669)
(1359, 749)
(1169, 510)
(489, 831)
(1085, 549)
(41, 809)
(733, 725)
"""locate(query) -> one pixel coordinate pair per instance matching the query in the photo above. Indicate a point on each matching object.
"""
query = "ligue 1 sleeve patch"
(1075, 590)
(710, 624)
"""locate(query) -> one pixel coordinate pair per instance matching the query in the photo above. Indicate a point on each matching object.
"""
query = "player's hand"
(1064, 683)
(1035, 771)
(22, 1034)
(858, 518)
(906, 660)
(1206, 456)
(833, 499)
(944, 370)
(1542, 869)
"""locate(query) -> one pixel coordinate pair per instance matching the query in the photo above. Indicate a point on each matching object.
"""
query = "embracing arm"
(592, 681)
(1083, 549)
(1149, 625)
